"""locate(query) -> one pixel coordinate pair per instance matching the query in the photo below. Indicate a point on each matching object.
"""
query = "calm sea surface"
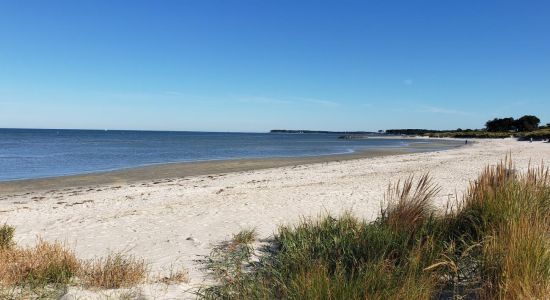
(44, 153)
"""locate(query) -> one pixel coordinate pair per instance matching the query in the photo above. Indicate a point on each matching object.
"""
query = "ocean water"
(26, 153)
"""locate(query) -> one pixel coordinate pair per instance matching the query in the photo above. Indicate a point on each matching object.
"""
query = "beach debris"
(194, 240)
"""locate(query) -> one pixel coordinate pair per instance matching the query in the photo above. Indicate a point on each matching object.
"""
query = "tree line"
(525, 123)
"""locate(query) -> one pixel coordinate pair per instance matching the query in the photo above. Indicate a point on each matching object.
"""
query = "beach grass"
(492, 244)
(45, 270)
(39, 272)
(45, 263)
(245, 236)
(115, 270)
(6, 236)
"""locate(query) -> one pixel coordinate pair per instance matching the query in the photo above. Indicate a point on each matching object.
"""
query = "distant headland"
(525, 128)
(322, 131)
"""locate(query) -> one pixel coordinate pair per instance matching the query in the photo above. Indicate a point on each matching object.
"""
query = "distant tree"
(459, 130)
(504, 124)
(527, 123)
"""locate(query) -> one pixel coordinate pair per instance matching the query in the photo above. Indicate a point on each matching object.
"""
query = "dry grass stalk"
(116, 270)
(517, 261)
(6, 236)
(409, 204)
(175, 276)
(245, 236)
(45, 263)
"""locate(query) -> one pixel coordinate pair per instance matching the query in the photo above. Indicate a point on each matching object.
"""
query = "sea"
(38, 153)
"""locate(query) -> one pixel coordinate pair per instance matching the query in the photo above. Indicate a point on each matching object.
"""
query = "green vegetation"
(458, 133)
(479, 134)
(538, 135)
(493, 244)
(501, 124)
(245, 236)
(6, 236)
(524, 128)
(525, 123)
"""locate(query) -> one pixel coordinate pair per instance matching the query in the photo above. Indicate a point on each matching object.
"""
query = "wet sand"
(178, 170)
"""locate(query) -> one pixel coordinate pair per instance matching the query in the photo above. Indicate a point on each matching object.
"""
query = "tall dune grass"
(494, 244)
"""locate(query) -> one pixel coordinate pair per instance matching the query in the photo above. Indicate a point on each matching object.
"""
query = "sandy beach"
(174, 221)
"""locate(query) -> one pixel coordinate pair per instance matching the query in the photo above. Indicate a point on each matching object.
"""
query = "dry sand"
(174, 221)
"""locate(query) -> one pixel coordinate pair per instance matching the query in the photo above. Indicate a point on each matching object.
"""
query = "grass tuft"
(44, 271)
(245, 236)
(45, 263)
(113, 271)
(175, 276)
(6, 236)
(409, 204)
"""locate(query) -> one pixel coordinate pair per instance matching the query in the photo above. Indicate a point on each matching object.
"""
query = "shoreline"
(185, 169)
(176, 170)
(177, 221)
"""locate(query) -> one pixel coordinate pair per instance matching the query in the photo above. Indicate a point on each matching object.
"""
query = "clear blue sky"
(258, 65)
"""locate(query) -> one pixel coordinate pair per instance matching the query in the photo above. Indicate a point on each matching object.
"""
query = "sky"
(252, 66)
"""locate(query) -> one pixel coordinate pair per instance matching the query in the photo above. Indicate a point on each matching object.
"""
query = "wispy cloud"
(408, 81)
(264, 100)
(316, 101)
(174, 93)
(152, 96)
(440, 110)
(257, 99)
(287, 100)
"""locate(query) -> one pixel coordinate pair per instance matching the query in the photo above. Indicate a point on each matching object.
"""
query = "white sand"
(174, 222)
